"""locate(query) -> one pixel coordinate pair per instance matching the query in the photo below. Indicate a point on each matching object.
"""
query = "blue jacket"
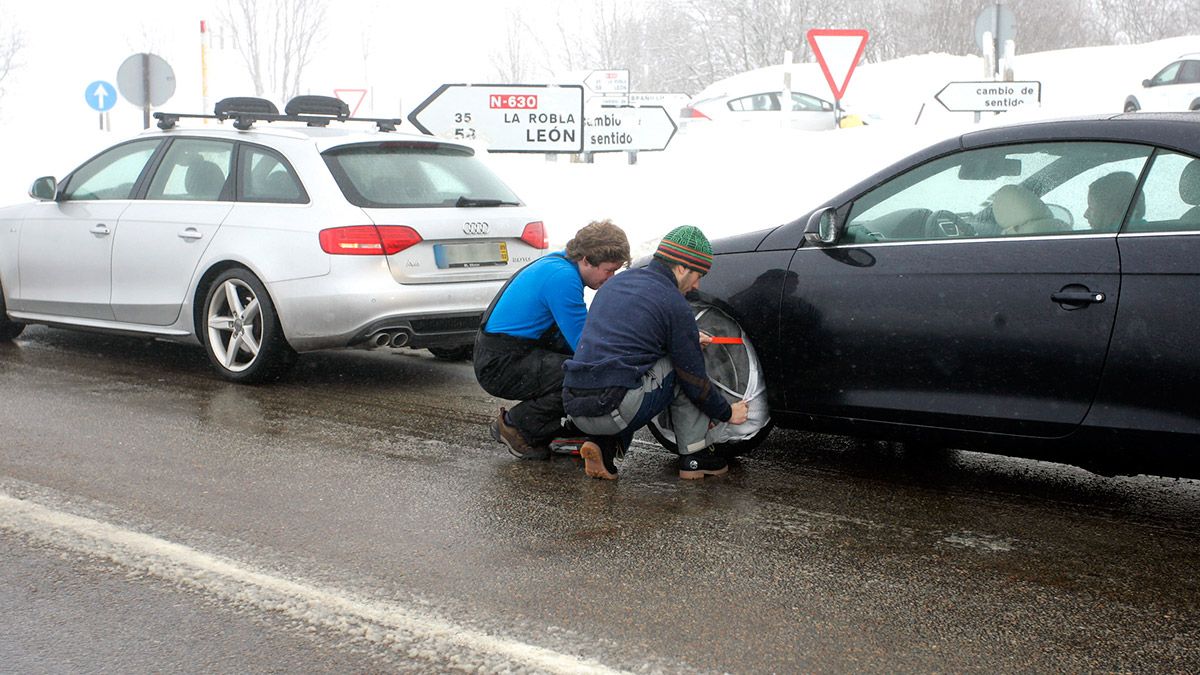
(636, 318)
(548, 291)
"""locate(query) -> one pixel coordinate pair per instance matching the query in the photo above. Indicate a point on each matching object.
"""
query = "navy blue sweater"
(636, 318)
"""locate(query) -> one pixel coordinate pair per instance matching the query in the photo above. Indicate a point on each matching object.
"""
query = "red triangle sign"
(838, 52)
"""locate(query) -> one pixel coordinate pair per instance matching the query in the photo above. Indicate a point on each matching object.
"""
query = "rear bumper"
(347, 309)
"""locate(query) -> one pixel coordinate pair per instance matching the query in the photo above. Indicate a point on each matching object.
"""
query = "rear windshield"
(393, 174)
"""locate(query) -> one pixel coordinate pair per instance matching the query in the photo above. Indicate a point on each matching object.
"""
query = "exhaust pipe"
(380, 340)
(399, 339)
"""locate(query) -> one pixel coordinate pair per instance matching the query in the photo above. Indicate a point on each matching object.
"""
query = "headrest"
(1189, 183)
(1014, 205)
(204, 179)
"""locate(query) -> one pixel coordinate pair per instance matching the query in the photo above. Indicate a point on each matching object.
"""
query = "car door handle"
(100, 228)
(191, 233)
(1077, 297)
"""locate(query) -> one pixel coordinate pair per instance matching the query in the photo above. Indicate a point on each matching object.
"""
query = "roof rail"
(315, 111)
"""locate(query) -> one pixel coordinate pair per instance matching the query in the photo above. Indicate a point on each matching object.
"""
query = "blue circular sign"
(100, 95)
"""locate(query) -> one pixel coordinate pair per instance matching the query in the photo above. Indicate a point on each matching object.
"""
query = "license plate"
(475, 254)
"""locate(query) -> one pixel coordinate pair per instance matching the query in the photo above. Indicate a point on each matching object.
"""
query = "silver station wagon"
(268, 234)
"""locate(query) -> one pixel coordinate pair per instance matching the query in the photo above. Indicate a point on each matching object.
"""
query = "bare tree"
(12, 42)
(511, 61)
(277, 39)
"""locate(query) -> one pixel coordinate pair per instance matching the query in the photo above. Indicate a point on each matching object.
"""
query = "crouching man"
(640, 354)
(532, 326)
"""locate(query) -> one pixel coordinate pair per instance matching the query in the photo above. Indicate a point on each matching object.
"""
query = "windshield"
(393, 174)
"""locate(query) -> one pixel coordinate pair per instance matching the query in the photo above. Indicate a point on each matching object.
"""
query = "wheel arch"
(206, 279)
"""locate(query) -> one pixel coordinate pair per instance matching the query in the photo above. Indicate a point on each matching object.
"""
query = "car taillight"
(368, 239)
(691, 113)
(535, 235)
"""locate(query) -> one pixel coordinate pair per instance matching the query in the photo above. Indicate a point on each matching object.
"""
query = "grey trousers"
(644, 403)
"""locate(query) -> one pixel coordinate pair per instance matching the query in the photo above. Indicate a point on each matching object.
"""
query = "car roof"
(323, 137)
(1178, 130)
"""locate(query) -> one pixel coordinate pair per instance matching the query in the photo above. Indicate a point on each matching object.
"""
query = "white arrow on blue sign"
(100, 95)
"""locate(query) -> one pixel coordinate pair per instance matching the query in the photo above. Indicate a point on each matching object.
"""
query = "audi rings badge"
(475, 227)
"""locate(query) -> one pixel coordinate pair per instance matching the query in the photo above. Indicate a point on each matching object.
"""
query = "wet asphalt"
(372, 473)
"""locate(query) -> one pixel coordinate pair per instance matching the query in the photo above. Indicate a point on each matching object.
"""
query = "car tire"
(461, 353)
(8, 329)
(1194, 106)
(1131, 105)
(240, 329)
(726, 450)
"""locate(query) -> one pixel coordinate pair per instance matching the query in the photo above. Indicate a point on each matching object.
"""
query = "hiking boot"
(703, 463)
(600, 457)
(503, 432)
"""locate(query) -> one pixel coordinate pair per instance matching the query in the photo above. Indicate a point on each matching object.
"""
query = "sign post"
(838, 52)
(989, 96)
(511, 118)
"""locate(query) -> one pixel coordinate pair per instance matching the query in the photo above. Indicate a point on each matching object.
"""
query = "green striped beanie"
(686, 245)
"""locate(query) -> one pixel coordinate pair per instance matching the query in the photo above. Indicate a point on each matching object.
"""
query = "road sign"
(670, 101)
(608, 81)
(146, 80)
(987, 96)
(1000, 22)
(353, 98)
(100, 95)
(645, 128)
(838, 52)
(510, 118)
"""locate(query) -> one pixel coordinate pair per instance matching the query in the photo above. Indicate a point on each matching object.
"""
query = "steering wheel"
(943, 224)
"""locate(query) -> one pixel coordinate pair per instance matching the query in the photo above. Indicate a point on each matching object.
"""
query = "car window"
(267, 177)
(1018, 190)
(1167, 75)
(806, 102)
(1171, 194)
(193, 169)
(1189, 72)
(111, 174)
(403, 174)
(755, 103)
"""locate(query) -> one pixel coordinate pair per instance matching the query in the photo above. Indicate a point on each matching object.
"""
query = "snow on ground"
(726, 180)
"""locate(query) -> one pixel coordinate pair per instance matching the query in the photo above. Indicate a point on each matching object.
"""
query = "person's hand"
(705, 339)
(741, 410)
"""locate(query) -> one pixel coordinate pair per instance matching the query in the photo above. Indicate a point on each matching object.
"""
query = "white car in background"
(1175, 88)
(806, 111)
(273, 235)
(756, 98)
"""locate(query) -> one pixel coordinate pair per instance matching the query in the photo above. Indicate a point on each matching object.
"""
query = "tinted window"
(1171, 194)
(267, 177)
(413, 175)
(193, 169)
(111, 174)
(1020, 190)
(1189, 73)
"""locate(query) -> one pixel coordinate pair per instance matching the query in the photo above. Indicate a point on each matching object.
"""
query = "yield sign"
(838, 52)
(353, 98)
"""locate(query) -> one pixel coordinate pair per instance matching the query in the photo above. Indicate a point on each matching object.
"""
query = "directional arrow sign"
(608, 81)
(615, 129)
(510, 118)
(100, 95)
(989, 96)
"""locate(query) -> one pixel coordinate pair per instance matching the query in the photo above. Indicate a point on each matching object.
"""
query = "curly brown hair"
(599, 242)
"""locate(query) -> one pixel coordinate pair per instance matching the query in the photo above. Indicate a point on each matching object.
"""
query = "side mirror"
(1147, 83)
(823, 227)
(44, 189)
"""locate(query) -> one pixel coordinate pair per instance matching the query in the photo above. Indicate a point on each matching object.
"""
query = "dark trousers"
(526, 371)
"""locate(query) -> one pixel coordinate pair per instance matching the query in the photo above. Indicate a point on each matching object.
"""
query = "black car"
(1029, 290)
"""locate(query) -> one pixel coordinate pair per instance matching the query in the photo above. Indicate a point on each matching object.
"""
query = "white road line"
(408, 631)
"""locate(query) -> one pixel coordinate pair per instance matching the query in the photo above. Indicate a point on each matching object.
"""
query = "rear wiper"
(467, 201)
